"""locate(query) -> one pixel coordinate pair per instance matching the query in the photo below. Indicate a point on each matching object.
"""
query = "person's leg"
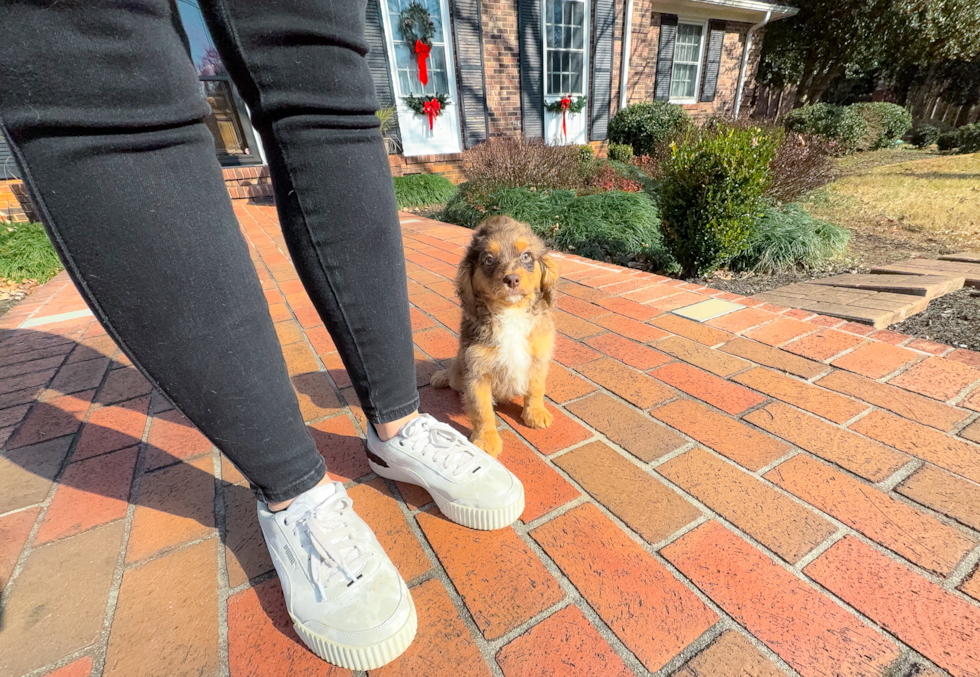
(300, 67)
(104, 114)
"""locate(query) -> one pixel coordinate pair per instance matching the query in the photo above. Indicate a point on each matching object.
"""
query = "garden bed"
(951, 319)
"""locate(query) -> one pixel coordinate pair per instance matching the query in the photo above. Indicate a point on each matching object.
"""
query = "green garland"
(575, 106)
(417, 103)
(415, 24)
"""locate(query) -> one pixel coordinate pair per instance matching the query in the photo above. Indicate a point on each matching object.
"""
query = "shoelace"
(448, 446)
(338, 551)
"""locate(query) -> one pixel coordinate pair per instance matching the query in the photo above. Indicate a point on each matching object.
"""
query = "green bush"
(841, 125)
(712, 194)
(620, 152)
(616, 226)
(886, 123)
(645, 126)
(924, 136)
(948, 140)
(421, 190)
(585, 153)
(26, 253)
(970, 138)
(788, 237)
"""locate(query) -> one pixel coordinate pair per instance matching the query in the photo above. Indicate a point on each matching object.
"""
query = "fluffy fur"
(506, 285)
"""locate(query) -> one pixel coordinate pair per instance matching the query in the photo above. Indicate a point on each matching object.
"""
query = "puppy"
(506, 285)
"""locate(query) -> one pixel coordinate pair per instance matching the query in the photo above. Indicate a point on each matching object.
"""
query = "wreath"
(417, 29)
(428, 105)
(566, 105)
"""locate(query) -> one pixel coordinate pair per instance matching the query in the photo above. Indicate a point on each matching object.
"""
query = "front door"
(234, 141)
(416, 136)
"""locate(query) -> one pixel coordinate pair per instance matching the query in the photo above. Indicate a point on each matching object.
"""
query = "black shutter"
(605, 17)
(532, 77)
(716, 39)
(665, 56)
(469, 61)
(377, 57)
(8, 169)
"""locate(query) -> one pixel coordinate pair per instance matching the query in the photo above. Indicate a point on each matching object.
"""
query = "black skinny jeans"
(104, 113)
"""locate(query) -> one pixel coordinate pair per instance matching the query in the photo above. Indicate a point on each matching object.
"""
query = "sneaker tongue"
(309, 500)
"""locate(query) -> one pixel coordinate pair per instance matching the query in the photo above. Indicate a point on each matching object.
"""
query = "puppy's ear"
(549, 279)
(464, 285)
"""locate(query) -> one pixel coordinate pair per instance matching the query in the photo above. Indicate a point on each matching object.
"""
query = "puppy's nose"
(512, 280)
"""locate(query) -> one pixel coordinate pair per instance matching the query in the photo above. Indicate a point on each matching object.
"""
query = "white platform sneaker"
(470, 487)
(346, 598)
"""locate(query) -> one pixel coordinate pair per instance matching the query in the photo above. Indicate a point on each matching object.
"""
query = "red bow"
(564, 103)
(431, 108)
(422, 51)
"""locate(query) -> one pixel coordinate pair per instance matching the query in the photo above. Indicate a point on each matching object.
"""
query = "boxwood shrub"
(886, 123)
(712, 194)
(840, 124)
(644, 126)
(924, 136)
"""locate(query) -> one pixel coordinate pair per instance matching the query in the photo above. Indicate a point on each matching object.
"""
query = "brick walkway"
(766, 493)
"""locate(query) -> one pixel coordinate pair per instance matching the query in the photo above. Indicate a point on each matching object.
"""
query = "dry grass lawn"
(937, 198)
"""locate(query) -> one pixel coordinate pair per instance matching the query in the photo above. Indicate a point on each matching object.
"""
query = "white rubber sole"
(483, 519)
(361, 657)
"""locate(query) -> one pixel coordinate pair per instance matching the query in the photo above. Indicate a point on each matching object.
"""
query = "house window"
(564, 47)
(406, 64)
(687, 63)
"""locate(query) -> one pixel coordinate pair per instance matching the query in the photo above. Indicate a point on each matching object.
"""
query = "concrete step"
(928, 286)
(963, 257)
(970, 271)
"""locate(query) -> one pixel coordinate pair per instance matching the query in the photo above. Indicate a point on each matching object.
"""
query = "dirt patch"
(951, 319)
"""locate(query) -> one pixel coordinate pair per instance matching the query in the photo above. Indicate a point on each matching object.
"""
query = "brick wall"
(643, 53)
(15, 206)
(645, 40)
(248, 182)
(502, 66)
(450, 166)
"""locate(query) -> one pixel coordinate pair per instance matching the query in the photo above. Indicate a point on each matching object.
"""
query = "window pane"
(576, 86)
(682, 84)
(578, 13)
(688, 43)
(577, 38)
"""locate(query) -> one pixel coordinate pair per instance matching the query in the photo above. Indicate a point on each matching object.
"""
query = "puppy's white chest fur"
(512, 362)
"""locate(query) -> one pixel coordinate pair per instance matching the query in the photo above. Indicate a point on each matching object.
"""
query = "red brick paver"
(719, 498)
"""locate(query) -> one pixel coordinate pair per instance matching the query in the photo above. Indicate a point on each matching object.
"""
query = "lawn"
(26, 253)
(936, 199)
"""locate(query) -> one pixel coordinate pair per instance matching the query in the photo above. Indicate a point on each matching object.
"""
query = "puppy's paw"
(489, 441)
(536, 417)
(440, 379)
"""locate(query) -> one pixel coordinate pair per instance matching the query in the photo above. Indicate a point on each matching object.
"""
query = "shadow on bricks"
(95, 460)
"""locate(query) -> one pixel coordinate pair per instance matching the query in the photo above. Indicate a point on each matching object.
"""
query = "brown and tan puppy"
(506, 284)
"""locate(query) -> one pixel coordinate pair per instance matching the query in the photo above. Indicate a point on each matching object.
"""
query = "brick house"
(500, 62)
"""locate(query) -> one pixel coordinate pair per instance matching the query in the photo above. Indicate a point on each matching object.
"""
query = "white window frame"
(582, 133)
(412, 127)
(700, 64)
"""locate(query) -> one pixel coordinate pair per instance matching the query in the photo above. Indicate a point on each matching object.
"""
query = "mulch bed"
(953, 319)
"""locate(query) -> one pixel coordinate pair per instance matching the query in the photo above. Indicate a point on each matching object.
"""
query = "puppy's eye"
(526, 257)
(488, 260)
